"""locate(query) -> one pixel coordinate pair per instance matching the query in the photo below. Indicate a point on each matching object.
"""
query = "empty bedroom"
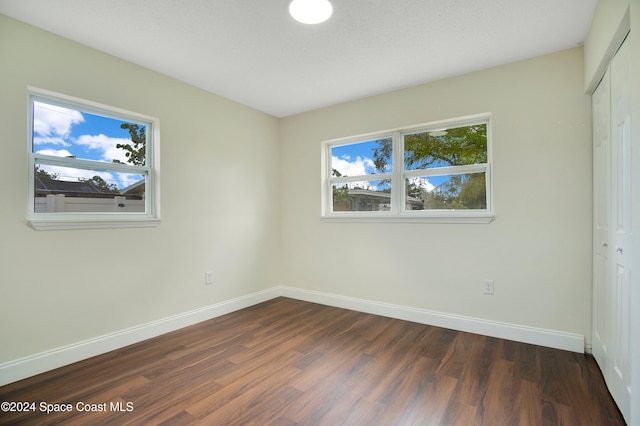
(390, 213)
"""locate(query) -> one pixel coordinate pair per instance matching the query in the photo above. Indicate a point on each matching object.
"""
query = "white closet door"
(601, 214)
(619, 349)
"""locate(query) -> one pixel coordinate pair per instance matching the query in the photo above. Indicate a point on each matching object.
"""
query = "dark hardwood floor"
(288, 362)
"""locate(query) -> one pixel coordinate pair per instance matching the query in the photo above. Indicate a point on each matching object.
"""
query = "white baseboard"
(536, 336)
(22, 368)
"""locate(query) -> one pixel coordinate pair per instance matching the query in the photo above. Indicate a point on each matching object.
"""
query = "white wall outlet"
(488, 287)
(208, 277)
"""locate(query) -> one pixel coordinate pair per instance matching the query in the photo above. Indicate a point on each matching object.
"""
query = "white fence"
(59, 203)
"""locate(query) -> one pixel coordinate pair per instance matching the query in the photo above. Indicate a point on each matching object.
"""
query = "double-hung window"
(436, 172)
(91, 165)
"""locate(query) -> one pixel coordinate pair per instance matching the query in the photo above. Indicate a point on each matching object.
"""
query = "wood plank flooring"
(289, 362)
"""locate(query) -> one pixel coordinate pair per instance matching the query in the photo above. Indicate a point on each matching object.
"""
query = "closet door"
(612, 228)
(601, 214)
(618, 376)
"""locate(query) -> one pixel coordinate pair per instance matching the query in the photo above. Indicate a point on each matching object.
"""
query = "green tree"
(43, 174)
(136, 150)
(458, 146)
(100, 183)
(341, 197)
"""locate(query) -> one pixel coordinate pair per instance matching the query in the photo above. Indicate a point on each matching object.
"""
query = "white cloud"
(54, 140)
(361, 166)
(53, 123)
(56, 152)
(106, 144)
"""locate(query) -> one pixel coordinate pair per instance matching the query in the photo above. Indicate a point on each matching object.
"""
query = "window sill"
(476, 218)
(71, 224)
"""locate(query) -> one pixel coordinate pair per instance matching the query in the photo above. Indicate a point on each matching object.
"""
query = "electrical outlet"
(488, 287)
(208, 277)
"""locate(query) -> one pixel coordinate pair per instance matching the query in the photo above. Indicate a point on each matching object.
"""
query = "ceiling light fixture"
(310, 11)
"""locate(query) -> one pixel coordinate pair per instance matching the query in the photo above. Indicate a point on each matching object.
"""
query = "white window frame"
(98, 220)
(398, 213)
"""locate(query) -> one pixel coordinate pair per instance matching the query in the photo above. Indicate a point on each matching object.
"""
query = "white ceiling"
(253, 52)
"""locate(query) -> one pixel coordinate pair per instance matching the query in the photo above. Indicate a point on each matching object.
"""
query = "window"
(437, 172)
(90, 165)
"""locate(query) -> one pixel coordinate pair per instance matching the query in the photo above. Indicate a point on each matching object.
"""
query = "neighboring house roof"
(137, 189)
(45, 187)
(378, 198)
(88, 189)
(379, 194)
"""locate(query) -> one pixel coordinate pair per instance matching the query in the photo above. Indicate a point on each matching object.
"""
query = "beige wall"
(219, 181)
(538, 249)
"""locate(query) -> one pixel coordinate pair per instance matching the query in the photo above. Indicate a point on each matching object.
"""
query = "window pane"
(365, 196)
(450, 192)
(446, 147)
(65, 189)
(65, 132)
(363, 158)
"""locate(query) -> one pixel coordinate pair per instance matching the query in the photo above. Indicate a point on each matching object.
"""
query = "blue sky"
(64, 132)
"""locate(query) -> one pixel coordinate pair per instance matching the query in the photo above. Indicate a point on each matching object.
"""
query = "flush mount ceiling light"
(310, 11)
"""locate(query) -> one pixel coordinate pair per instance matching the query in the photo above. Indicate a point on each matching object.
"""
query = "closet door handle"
(604, 244)
(619, 249)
